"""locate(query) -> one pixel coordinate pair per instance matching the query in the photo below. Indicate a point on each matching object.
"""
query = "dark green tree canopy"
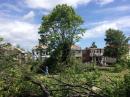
(61, 25)
(116, 44)
(58, 31)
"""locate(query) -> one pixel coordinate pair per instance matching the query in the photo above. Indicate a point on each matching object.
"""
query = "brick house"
(92, 55)
(96, 55)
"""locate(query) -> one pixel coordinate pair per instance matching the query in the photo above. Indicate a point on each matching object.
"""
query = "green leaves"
(60, 25)
(59, 30)
(117, 44)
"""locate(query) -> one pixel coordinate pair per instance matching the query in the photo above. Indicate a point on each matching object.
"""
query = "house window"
(47, 53)
(92, 51)
(43, 52)
(79, 51)
(37, 52)
(73, 52)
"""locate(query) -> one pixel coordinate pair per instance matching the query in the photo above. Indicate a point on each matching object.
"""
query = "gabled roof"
(10, 48)
(20, 50)
(75, 47)
(40, 47)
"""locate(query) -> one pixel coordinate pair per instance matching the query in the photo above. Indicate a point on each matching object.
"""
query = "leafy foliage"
(59, 30)
(117, 44)
(127, 84)
(12, 83)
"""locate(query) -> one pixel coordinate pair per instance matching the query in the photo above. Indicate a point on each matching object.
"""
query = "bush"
(35, 66)
(123, 63)
(12, 83)
(127, 84)
(78, 67)
(118, 68)
(128, 63)
(115, 88)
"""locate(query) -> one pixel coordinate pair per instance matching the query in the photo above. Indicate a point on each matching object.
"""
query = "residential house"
(93, 55)
(17, 54)
(40, 52)
(96, 55)
(23, 56)
(76, 51)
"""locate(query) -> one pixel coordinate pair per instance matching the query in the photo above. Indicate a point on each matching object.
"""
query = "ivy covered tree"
(116, 44)
(59, 30)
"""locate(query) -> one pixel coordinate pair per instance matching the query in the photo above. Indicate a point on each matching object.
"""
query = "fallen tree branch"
(44, 88)
(79, 86)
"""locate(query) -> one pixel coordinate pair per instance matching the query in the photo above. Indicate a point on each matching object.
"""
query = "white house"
(40, 52)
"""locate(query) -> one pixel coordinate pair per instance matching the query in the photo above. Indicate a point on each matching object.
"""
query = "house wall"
(85, 56)
(77, 53)
(39, 54)
(90, 53)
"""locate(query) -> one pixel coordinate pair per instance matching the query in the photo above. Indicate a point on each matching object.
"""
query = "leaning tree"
(58, 31)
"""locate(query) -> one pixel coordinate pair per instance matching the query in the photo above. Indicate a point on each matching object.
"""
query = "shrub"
(128, 63)
(114, 89)
(118, 68)
(127, 84)
(12, 83)
(123, 63)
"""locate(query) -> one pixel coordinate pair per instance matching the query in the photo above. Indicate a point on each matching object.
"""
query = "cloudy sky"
(20, 19)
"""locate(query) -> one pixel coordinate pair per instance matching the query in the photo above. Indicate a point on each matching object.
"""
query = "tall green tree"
(116, 44)
(59, 30)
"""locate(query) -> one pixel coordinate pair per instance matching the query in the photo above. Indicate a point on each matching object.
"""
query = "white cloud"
(19, 32)
(49, 4)
(103, 2)
(29, 16)
(114, 9)
(45, 13)
(10, 7)
(99, 30)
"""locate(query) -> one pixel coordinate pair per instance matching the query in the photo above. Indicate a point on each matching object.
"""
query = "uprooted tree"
(58, 31)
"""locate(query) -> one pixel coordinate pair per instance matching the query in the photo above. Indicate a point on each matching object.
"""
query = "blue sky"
(20, 19)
